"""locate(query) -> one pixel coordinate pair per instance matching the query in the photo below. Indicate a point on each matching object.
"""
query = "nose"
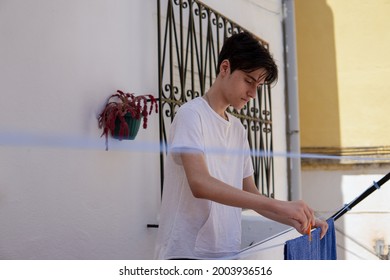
(252, 93)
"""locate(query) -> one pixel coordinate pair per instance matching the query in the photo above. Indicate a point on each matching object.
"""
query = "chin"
(238, 108)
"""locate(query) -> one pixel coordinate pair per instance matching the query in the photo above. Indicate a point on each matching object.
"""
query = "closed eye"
(252, 83)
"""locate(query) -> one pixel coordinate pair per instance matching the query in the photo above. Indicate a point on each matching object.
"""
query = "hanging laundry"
(302, 248)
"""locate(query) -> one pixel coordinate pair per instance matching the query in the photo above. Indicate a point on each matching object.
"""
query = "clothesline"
(29, 139)
(375, 186)
(300, 247)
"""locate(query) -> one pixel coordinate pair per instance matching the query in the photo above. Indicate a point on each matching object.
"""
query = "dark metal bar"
(375, 186)
(182, 66)
(201, 78)
(152, 226)
(161, 126)
(271, 145)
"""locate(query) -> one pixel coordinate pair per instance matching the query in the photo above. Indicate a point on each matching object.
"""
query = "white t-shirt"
(196, 228)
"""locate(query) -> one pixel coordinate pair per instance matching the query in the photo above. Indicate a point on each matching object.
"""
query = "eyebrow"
(249, 76)
(254, 79)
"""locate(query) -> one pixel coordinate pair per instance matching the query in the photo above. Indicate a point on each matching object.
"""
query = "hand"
(300, 215)
(323, 225)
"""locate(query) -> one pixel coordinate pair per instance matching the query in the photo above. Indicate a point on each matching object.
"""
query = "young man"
(206, 185)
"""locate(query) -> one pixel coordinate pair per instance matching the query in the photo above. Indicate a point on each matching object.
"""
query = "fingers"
(305, 219)
(323, 225)
(297, 225)
(302, 216)
(308, 218)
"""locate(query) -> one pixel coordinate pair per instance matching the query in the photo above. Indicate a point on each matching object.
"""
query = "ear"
(224, 68)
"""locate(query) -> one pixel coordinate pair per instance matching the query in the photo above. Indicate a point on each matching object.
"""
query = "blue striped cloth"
(317, 249)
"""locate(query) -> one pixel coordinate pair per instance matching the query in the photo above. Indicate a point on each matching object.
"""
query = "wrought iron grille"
(190, 36)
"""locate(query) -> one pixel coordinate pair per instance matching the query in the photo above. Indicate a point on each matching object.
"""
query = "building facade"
(62, 196)
(343, 65)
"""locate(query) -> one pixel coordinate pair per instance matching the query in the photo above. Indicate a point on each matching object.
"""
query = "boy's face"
(239, 86)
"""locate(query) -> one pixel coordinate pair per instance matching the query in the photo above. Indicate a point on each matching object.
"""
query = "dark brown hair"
(246, 53)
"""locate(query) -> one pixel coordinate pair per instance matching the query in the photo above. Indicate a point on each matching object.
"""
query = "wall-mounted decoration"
(122, 115)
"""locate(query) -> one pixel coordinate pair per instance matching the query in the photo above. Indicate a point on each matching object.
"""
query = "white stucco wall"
(62, 196)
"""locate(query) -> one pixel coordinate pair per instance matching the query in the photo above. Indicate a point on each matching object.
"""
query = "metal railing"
(190, 36)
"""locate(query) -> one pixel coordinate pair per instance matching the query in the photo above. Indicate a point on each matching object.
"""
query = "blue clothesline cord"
(23, 139)
(19, 139)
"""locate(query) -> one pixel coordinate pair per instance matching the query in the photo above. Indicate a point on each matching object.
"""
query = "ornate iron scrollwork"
(190, 35)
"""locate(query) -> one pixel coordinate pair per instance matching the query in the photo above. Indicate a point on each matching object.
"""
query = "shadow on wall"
(317, 70)
(319, 106)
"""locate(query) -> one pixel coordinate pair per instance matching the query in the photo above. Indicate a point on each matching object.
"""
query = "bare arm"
(203, 185)
(249, 186)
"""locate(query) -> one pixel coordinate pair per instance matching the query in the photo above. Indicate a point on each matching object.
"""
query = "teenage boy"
(205, 184)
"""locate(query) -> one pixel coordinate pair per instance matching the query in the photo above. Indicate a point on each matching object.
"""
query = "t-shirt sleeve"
(186, 133)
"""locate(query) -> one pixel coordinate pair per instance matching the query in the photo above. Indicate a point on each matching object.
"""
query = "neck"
(216, 103)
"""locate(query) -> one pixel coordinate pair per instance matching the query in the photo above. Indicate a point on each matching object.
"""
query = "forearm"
(208, 187)
(205, 186)
(215, 190)
(249, 186)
